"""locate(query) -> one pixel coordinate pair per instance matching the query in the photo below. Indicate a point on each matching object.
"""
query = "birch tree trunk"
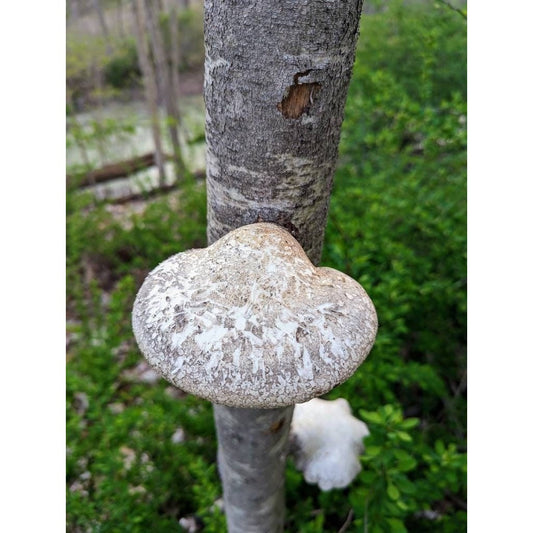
(276, 79)
(149, 86)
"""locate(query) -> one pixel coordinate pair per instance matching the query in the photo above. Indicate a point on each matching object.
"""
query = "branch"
(453, 8)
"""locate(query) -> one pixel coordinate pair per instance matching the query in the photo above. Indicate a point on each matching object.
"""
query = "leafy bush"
(84, 63)
(122, 70)
(397, 224)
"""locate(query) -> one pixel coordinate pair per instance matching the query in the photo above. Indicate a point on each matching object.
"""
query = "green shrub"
(122, 70)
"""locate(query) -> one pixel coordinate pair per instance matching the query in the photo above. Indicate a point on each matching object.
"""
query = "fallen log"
(113, 171)
(135, 196)
(144, 195)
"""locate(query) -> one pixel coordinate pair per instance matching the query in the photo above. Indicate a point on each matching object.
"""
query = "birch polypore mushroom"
(327, 442)
(252, 325)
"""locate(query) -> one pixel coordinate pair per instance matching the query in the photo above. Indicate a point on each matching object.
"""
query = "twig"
(347, 522)
(453, 8)
(460, 503)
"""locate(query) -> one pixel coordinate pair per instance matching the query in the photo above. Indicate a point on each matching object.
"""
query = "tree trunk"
(174, 59)
(150, 86)
(74, 10)
(103, 25)
(276, 79)
(252, 450)
(165, 80)
(120, 18)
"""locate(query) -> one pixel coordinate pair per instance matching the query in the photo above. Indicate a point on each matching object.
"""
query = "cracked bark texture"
(276, 78)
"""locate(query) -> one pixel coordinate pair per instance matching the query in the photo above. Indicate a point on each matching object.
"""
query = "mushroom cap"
(251, 322)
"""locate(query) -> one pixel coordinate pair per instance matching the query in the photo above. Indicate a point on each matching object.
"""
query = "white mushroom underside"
(250, 322)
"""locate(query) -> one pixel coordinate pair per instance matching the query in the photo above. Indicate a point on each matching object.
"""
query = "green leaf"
(372, 451)
(371, 416)
(402, 505)
(393, 492)
(405, 461)
(439, 447)
(396, 525)
(409, 423)
(402, 435)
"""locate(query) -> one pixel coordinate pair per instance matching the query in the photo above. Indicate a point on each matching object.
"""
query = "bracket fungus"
(250, 322)
(327, 442)
(252, 325)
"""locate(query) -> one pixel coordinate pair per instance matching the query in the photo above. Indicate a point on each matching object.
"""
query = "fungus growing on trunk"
(250, 322)
(252, 325)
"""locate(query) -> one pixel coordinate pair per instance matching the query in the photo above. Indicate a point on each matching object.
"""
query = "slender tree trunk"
(276, 79)
(120, 18)
(174, 59)
(165, 80)
(74, 10)
(150, 86)
(103, 25)
(101, 18)
(252, 450)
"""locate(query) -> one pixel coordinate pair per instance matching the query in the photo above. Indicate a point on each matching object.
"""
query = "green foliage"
(122, 70)
(98, 68)
(397, 224)
(84, 63)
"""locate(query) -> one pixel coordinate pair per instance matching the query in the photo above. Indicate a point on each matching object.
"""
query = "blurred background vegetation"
(141, 455)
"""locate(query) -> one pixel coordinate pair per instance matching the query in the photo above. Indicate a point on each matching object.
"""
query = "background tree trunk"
(74, 10)
(276, 80)
(103, 25)
(174, 58)
(162, 61)
(150, 86)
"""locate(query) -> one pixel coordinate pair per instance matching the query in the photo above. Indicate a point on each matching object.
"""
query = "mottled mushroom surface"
(250, 322)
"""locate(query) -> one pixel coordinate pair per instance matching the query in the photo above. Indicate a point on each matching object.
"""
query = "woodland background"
(140, 454)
